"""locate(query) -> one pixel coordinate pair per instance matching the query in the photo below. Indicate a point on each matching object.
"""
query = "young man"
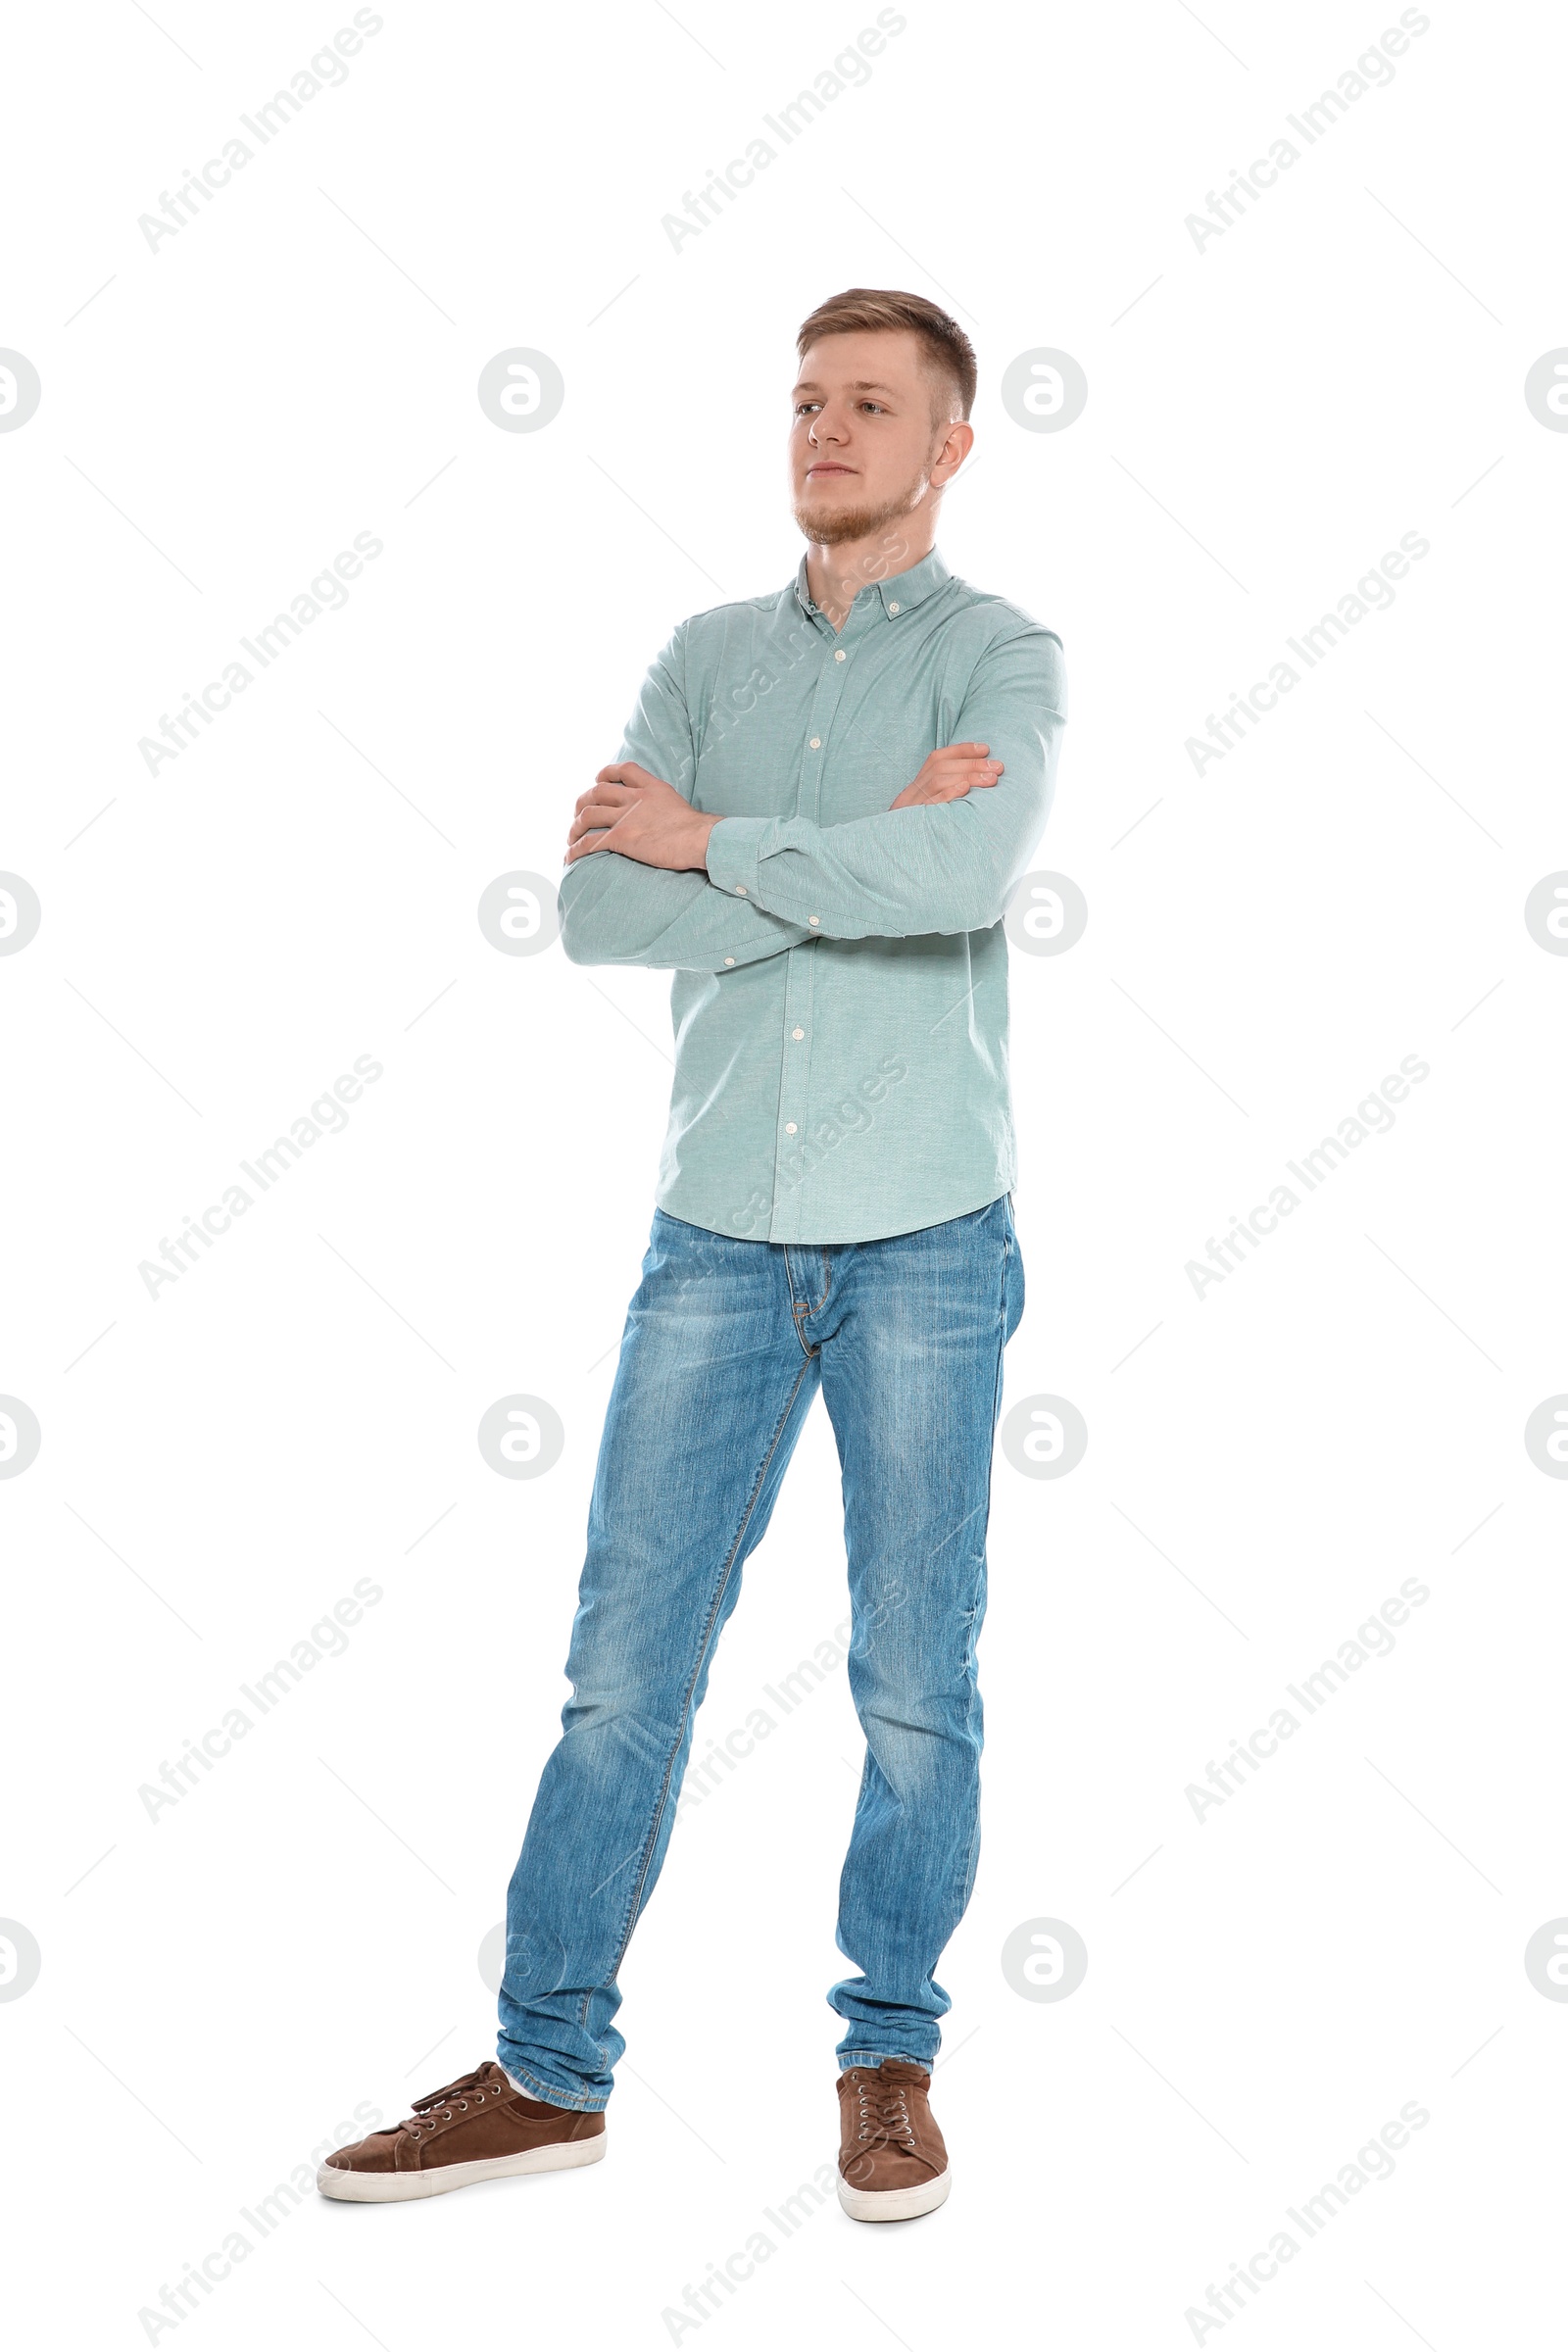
(823, 800)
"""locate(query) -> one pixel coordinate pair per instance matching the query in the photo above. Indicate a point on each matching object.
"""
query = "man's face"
(864, 446)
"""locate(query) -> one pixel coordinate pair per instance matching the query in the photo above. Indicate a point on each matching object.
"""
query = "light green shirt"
(840, 994)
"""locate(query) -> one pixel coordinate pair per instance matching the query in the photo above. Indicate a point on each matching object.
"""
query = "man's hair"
(870, 310)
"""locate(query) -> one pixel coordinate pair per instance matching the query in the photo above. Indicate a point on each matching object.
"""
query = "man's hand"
(951, 771)
(639, 816)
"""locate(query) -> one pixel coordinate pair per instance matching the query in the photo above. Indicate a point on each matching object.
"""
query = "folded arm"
(613, 910)
(616, 910)
(652, 881)
(907, 871)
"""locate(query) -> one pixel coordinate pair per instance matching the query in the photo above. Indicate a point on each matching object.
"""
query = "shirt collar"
(899, 594)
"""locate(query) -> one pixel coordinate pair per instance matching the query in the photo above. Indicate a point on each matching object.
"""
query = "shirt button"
(813, 919)
(893, 607)
(797, 1034)
(788, 1126)
(839, 655)
(817, 743)
(729, 960)
(740, 890)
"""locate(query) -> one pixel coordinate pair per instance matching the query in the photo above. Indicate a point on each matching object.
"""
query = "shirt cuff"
(734, 849)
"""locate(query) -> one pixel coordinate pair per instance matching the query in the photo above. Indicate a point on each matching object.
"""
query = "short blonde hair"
(872, 309)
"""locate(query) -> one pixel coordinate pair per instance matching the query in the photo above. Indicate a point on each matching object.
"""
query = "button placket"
(794, 1094)
(818, 726)
(793, 1124)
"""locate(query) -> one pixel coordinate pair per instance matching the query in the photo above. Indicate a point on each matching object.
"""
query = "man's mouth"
(812, 472)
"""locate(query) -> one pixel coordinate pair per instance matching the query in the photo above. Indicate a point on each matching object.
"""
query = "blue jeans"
(726, 1342)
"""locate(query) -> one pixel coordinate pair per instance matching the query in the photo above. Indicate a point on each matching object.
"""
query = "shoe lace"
(439, 2106)
(883, 2111)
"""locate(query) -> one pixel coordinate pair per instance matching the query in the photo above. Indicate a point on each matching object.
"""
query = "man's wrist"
(732, 854)
(704, 834)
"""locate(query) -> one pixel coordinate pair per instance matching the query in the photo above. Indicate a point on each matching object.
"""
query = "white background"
(1266, 416)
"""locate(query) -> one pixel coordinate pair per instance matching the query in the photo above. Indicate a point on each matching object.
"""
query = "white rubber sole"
(894, 2204)
(394, 2188)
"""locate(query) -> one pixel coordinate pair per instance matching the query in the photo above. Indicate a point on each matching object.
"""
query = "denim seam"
(970, 1660)
(802, 1306)
(800, 1309)
(876, 2057)
(971, 1663)
(697, 1666)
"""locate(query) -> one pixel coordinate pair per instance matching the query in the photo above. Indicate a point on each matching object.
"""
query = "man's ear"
(958, 439)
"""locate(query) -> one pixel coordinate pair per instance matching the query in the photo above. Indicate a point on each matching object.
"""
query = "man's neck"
(835, 575)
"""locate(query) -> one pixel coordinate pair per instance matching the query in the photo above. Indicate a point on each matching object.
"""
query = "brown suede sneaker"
(892, 2161)
(476, 2129)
